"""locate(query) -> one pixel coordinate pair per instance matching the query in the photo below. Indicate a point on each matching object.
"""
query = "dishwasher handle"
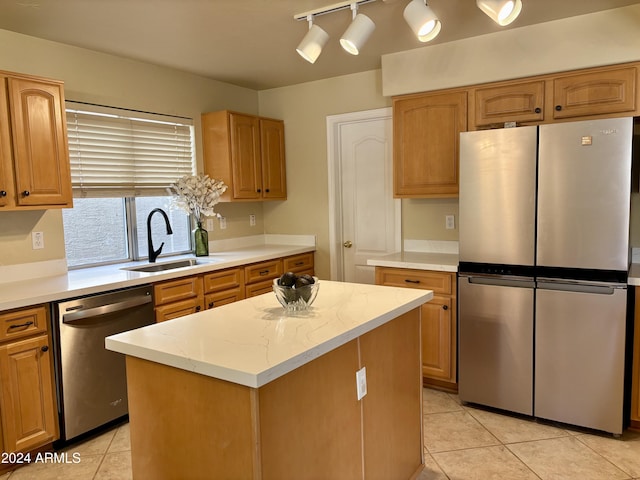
(70, 318)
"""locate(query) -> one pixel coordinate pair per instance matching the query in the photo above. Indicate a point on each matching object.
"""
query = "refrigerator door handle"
(502, 282)
(578, 287)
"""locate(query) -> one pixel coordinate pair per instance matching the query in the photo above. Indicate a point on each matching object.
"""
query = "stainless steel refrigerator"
(544, 254)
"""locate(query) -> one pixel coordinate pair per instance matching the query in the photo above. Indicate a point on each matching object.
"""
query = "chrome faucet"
(153, 254)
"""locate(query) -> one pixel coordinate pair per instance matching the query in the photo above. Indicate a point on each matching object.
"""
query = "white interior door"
(366, 216)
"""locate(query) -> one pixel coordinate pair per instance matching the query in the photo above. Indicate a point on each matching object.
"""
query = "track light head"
(358, 32)
(503, 12)
(422, 20)
(313, 42)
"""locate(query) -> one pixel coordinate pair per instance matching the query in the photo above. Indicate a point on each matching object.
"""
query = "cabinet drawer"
(175, 290)
(223, 280)
(259, 288)
(23, 322)
(297, 263)
(178, 309)
(263, 271)
(422, 279)
(213, 300)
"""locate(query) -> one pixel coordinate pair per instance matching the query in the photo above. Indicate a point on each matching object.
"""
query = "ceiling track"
(329, 9)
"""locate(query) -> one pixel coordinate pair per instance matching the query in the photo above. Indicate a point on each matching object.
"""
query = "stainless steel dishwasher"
(91, 381)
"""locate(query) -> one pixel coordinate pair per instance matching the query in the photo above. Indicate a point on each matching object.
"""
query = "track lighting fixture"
(313, 42)
(358, 32)
(422, 20)
(503, 12)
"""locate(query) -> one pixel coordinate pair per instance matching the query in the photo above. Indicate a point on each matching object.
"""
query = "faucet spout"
(153, 254)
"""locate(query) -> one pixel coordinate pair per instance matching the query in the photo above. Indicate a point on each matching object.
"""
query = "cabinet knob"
(558, 108)
(210, 304)
(538, 110)
(259, 190)
(3, 193)
(198, 308)
(45, 348)
(445, 307)
(26, 193)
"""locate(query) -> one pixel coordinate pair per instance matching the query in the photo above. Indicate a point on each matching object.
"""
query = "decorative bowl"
(295, 299)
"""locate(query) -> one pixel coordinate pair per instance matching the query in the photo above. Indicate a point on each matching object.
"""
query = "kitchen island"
(250, 391)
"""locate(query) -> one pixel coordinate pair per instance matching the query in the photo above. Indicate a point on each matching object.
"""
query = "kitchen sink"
(162, 266)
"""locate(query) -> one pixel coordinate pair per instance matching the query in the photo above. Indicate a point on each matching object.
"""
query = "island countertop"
(254, 341)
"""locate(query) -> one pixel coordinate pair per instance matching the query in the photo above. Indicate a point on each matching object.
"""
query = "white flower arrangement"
(197, 195)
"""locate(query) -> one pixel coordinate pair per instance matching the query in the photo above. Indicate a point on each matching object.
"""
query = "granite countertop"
(87, 281)
(444, 262)
(254, 341)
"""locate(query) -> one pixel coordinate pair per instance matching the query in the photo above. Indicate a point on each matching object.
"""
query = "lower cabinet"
(439, 332)
(27, 395)
(191, 294)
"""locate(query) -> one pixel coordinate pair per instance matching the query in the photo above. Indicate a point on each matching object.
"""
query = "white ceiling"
(252, 43)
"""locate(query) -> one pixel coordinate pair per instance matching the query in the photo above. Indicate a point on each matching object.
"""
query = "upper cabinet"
(247, 153)
(34, 158)
(426, 131)
(580, 95)
(604, 91)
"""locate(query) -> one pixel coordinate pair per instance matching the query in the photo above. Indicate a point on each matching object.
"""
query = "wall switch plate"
(223, 223)
(37, 240)
(252, 220)
(450, 222)
(209, 224)
(361, 382)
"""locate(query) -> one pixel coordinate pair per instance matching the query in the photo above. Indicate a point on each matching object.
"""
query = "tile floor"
(461, 443)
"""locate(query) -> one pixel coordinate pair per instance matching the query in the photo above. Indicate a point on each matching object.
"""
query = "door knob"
(348, 244)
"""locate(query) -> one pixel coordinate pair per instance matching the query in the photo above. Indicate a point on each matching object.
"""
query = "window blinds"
(120, 153)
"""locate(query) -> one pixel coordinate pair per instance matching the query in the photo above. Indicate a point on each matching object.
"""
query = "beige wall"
(108, 80)
(305, 108)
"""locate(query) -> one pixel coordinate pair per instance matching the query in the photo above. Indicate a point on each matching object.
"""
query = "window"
(121, 165)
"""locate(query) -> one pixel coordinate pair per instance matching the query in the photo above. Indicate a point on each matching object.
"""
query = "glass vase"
(201, 241)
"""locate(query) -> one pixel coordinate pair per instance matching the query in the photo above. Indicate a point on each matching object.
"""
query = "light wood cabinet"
(259, 277)
(426, 130)
(439, 332)
(513, 102)
(224, 286)
(27, 396)
(176, 298)
(635, 382)
(34, 157)
(246, 152)
(299, 264)
(601, 91)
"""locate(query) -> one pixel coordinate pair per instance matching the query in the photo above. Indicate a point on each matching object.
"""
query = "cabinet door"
(224, 280)
(41, 157)
(27, 397)
(521, 102)
(263, 271)
(6, 168)
(176, 290)
(245, 154)
(299, 264)
(217, 299)
(274, 175)
(601, 92)
(426, 131)
(437, 339)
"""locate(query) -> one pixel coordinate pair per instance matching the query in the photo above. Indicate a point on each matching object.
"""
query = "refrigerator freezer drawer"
(496, 344)
(580, 354)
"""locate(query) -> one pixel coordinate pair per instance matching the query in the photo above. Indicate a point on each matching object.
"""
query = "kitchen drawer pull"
(297, 264)
(412, 281)
(45, 349)
(264, 272)
(26, 324)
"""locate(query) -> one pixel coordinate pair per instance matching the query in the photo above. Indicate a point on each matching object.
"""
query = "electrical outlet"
(37, 240)
(450, 222)
(209, 224)
(361, 382)
(223, 223)
(252, 220)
